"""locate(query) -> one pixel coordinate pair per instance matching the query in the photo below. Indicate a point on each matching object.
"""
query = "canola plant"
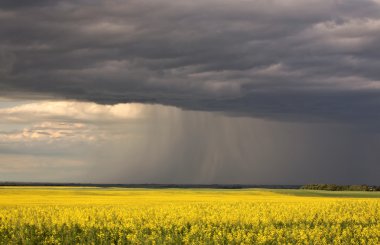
(60, 215)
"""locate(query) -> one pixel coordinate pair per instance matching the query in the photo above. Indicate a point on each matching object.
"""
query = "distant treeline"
(332, 187)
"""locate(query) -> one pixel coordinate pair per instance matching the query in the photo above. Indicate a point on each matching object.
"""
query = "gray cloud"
(136, 143)
(287, 59)
(204, 147)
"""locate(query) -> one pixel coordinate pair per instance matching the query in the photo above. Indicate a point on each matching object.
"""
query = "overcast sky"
(202, 91)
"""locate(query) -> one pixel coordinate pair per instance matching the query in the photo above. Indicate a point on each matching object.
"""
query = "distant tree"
(333, 187)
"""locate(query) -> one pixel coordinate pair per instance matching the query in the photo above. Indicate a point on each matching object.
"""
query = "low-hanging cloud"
(309, 59)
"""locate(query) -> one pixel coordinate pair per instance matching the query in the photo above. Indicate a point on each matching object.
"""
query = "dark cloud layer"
(279, 58)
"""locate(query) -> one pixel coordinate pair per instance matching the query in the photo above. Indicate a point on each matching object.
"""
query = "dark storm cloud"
(309, 59)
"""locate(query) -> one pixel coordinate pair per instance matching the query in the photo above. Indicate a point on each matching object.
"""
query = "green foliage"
(333, 187)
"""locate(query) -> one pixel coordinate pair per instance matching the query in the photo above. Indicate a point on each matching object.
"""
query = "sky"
(190, 92)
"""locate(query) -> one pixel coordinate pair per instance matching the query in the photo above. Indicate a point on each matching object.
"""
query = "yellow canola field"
(60, 215)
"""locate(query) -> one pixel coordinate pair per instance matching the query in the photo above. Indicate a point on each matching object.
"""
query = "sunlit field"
(70, 215)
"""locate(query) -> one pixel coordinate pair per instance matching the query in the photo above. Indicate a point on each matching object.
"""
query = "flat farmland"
(77, 215)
